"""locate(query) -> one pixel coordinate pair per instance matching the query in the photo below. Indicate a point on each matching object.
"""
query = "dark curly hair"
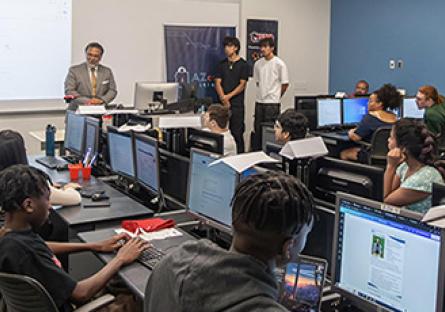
(272, 203)
(389, 96)
(419, 143)
(296, 124)
(20, 182)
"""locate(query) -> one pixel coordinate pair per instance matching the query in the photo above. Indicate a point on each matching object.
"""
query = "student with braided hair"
(411, 167)
(271, 216)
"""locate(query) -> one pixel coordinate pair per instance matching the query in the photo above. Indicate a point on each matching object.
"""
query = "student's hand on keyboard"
(132, 250)
(112, 244)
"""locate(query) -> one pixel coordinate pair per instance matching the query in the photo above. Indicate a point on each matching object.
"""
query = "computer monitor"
(92, 132)
(333, 175)
(386, 258)
(120, 150)
(438, 195)
(410, 109)
(147, 161)
(205, 140)
(146, 93)
(210, 190)
(328, 112)
(354, 109)
(74, 133)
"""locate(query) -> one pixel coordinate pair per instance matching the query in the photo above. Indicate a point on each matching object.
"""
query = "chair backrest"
(24, 294)
(379, 145)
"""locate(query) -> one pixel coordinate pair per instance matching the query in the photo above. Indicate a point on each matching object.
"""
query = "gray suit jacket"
(78, 83)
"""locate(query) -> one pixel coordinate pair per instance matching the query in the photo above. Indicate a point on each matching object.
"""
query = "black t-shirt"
(25, 253)
(231, 75)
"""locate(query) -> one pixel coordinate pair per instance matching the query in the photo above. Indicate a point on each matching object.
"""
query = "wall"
(365, 35)
(303, 43)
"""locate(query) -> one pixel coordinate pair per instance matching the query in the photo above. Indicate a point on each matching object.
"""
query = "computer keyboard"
(51, 162)
(150, 257)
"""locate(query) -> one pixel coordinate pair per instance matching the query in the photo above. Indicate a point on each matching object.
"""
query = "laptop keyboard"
(51, 162)
(150, 257)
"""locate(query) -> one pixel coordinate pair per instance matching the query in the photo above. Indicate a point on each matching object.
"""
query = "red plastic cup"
(74, 171)
(86, 173)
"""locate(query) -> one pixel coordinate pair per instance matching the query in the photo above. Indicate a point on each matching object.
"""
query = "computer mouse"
(99, 197)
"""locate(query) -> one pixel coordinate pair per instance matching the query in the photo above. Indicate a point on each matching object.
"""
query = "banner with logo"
(256, 30)
(192, 55)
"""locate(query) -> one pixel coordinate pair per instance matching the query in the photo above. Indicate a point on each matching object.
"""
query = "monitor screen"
(328, 112)
(354, 110)
(74, 133)
(410, 109)
(147, 167)
(92, 135)
(386, 259)
(211, 188)
(121, 153)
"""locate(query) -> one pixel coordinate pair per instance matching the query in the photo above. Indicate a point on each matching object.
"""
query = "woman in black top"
(380, 106)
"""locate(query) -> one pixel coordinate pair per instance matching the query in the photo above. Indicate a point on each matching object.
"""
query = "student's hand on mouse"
(3, 231)
(112, 244)
(132, 249)
(395, 157)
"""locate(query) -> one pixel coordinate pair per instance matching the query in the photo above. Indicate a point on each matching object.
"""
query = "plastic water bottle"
(50, 140)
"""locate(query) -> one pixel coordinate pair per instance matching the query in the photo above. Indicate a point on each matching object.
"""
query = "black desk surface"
(134, 275)
(122, 207)
(332, 135)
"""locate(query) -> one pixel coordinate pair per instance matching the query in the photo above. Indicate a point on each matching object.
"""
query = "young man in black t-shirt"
(230, 83)
(25, 199)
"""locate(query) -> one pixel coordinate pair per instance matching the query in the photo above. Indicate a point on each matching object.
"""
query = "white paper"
(311, 147)
(245, 161)
(135, 128)
(151, 236)
(91, 110)
(436, 215)
(122, 111)
(167, 122)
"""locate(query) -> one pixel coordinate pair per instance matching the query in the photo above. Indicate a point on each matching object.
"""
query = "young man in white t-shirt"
(217, 121)
(272, 80)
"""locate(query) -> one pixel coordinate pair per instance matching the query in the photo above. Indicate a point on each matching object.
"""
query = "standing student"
(290, 126)
(428, 98)
(411, 167)
(272, 214)
(230, 84)
(380, 106)
(272, 80)
(90, 83)
(217, 120)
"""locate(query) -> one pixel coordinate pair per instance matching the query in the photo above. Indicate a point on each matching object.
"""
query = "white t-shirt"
(229, 144)
(269, 76)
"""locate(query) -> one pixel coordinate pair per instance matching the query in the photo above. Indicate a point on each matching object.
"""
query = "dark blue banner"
(193, 53)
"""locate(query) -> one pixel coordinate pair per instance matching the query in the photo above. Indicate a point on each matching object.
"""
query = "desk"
(335, 142)
(134, 275)
(59, 139)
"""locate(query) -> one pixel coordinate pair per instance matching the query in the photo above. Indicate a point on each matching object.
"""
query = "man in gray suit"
(90, 83)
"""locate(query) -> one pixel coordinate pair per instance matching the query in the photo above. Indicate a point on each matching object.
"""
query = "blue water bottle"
(50, 144)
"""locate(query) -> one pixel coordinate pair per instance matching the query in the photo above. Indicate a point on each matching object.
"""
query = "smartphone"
(302, 284)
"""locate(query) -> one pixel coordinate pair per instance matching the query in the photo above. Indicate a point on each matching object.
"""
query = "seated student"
(13, 152)
(380, 102)
(361, 88)
(410, 171)
(25, 199)
(429, 99)
(272, 214)
(289, 126)
(217, 121)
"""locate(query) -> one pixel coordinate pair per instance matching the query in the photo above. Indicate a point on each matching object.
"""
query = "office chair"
(378, 148)
(24, 294)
